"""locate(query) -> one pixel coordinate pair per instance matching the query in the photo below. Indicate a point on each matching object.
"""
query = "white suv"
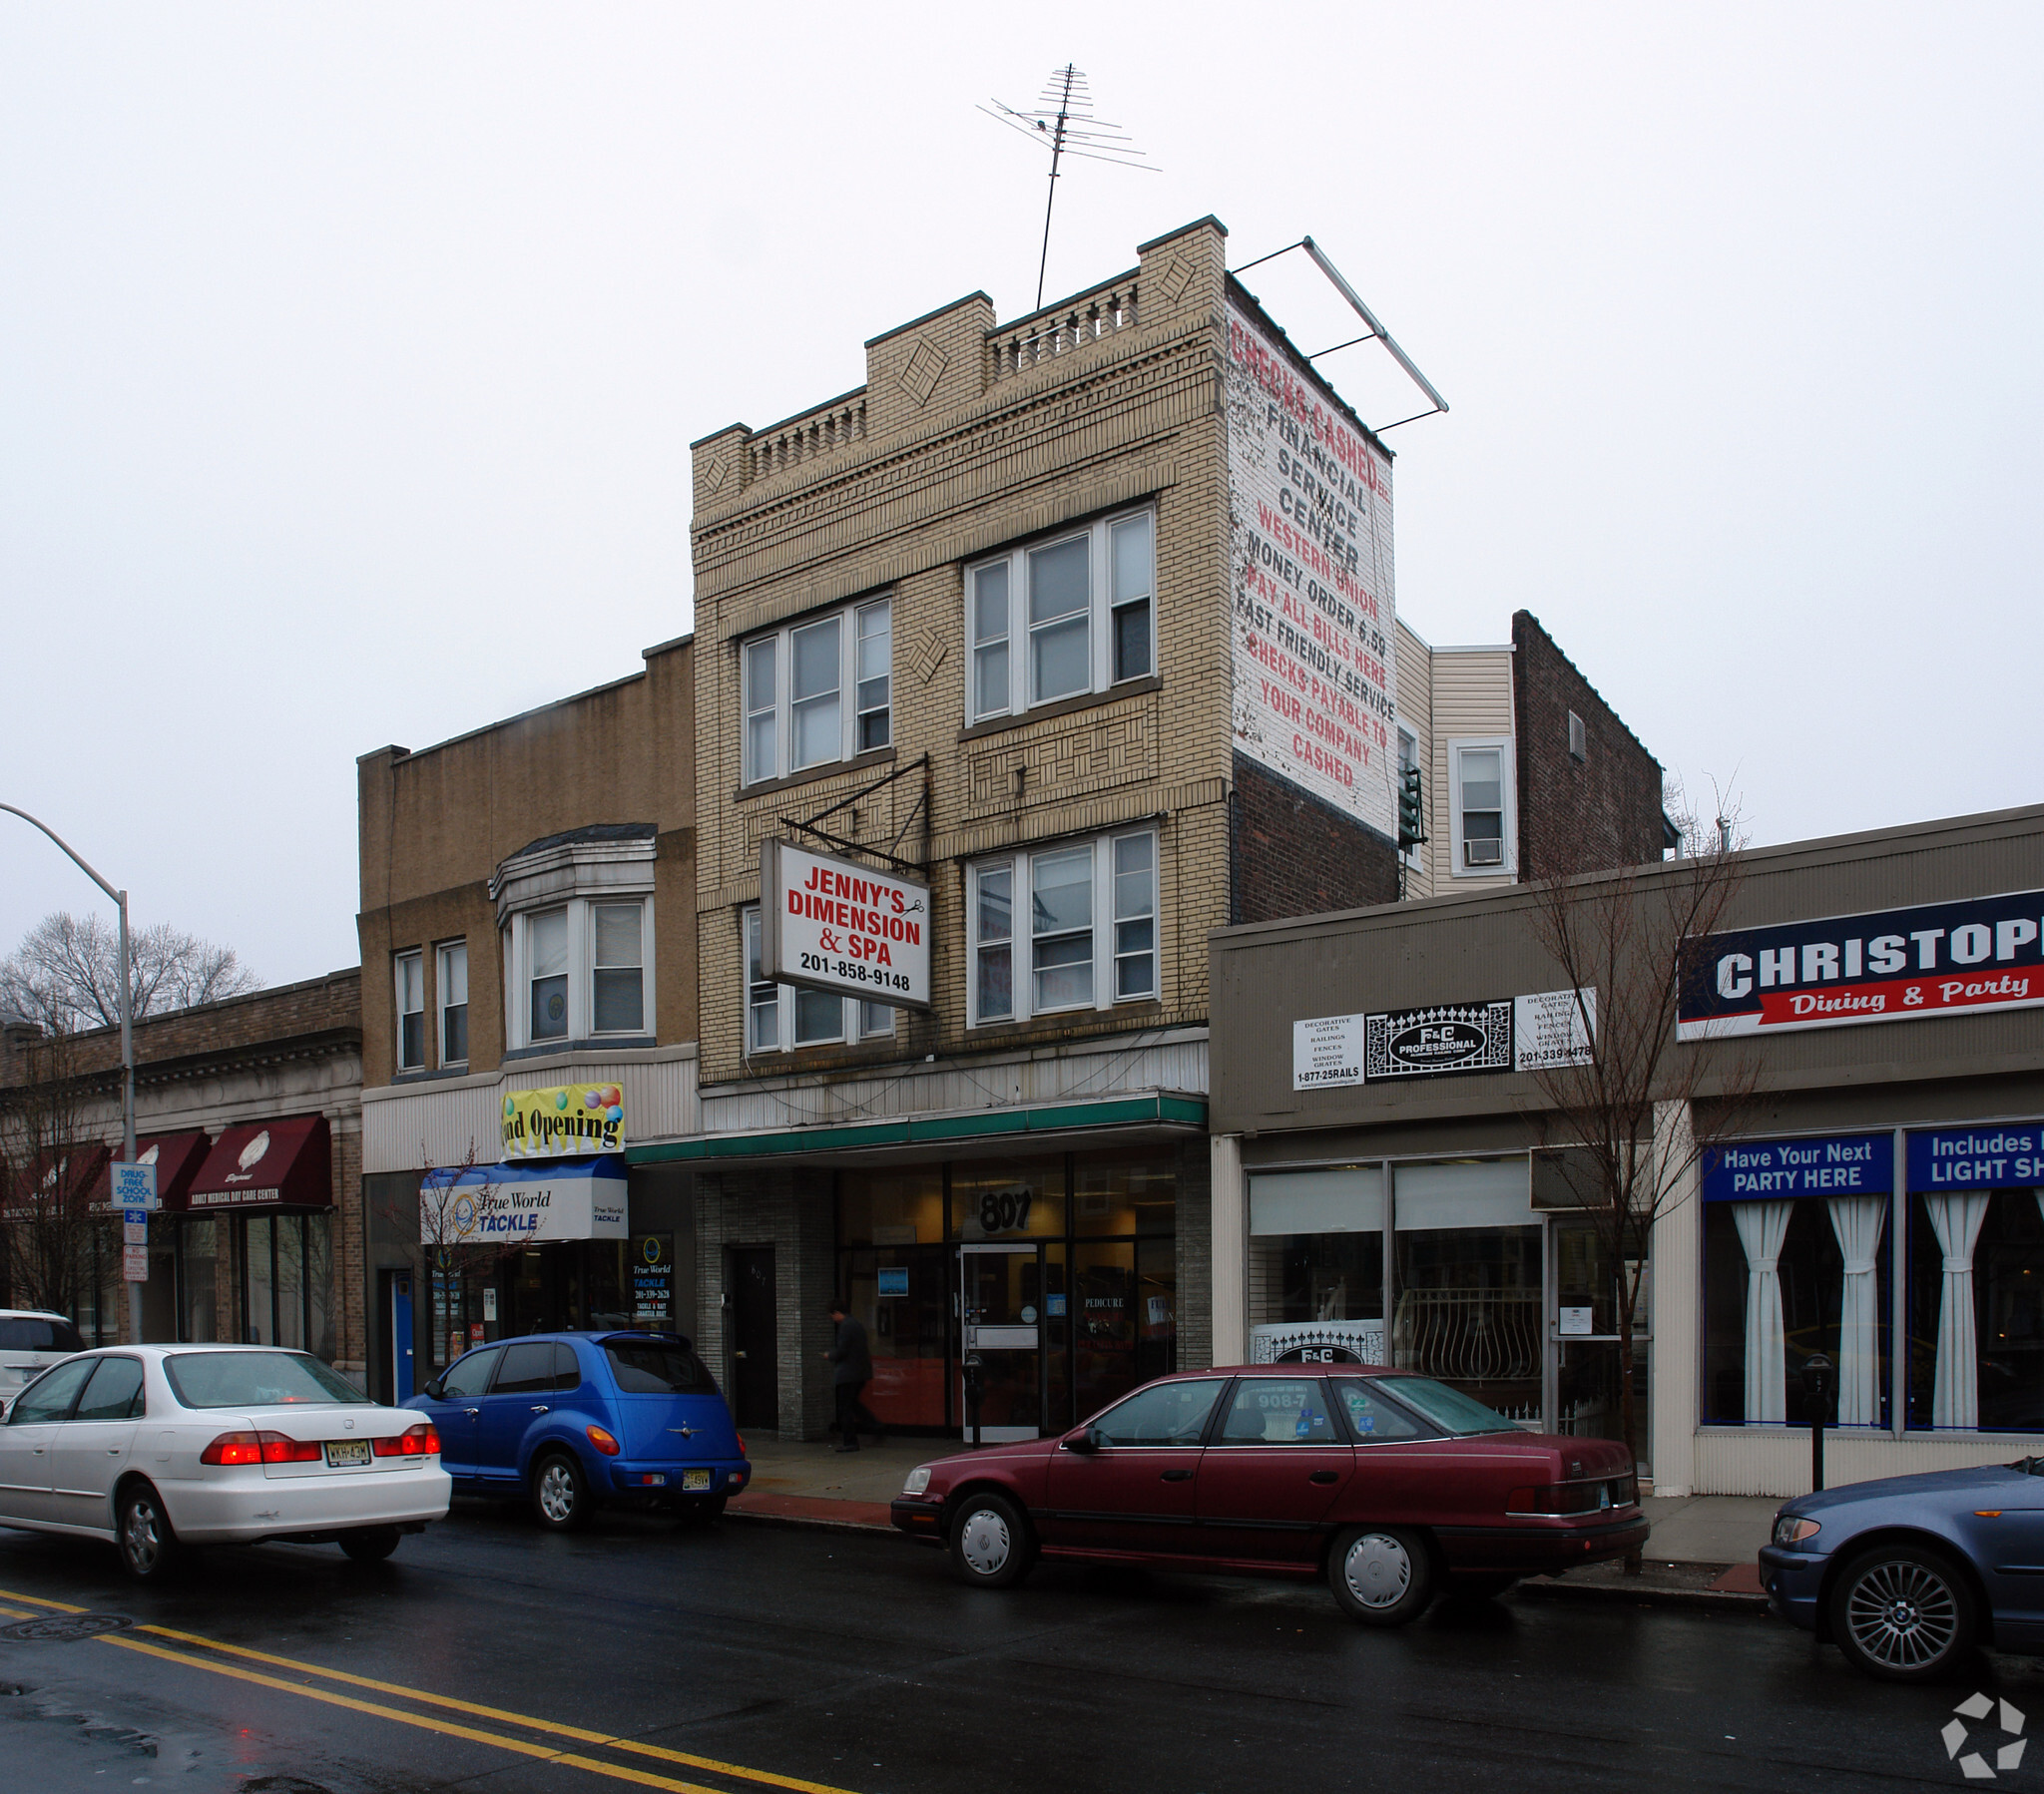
(31, 1340)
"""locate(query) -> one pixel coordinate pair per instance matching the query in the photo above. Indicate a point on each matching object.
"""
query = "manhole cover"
(61, 1628)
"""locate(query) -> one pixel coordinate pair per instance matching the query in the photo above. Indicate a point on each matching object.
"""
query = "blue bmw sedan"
(570, 1421)
(1907, 1575)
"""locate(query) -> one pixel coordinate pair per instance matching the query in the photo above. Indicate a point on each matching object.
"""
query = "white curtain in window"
(1857, 1222)
(1761, 1228)
(1955, 1395)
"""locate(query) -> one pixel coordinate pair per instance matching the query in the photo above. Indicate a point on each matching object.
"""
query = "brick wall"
(1294, 855)
(1576, 816)
(1195, 1255)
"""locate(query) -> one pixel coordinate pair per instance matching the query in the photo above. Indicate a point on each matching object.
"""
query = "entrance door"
(397, 1305)
(1000, 1307)
(754, 1338)
(1586, 1397)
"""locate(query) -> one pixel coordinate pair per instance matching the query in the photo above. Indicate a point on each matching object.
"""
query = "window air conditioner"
(1483, 853)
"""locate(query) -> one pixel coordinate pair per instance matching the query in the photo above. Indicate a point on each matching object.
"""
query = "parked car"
(1905, 1574)
(31, 1340)
(569, 1421)
(163, 1448)
(1393, 1485)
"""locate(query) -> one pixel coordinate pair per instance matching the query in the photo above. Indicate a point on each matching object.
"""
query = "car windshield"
(1449, 1408)
(657, 1367)
(254, 1380)
(34, 1333)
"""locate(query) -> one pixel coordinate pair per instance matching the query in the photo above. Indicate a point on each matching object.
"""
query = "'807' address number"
(851, 972)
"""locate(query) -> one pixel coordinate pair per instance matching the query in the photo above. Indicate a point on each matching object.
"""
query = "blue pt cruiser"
(570, 1421)
(1908, 1574)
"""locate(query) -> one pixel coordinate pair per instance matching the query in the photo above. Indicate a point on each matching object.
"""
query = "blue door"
(402, 1338)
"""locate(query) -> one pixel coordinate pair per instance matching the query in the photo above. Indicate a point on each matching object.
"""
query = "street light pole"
(127, 1033)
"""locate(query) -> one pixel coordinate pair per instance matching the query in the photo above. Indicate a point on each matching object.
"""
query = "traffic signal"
(1411, 809)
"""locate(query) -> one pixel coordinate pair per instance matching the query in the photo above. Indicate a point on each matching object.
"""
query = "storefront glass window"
(318, 1255)
(197, 1264)
(1976, 1308)
(258, 1276)
(1015, 1200)
(1125, 1192)
(290, 1288)
(891, 1208)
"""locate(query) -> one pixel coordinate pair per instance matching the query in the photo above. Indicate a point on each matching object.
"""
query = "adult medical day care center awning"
(176, 1158)
(513, 1204)
(267, 1164)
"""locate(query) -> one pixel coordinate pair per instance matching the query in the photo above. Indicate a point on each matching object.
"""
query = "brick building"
(250, 1110)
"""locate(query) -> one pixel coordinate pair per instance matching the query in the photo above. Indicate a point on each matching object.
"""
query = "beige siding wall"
(1472, 695)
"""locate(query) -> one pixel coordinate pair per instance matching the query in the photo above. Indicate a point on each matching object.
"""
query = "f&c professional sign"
(1541, 1030)
(834, 925)
(1884, 966)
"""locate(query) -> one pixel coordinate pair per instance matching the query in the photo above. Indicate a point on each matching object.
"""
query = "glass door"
(1587, 1393)
(1000, 1307)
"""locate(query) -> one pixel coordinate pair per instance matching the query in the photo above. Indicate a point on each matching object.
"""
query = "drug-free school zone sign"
(834, 925)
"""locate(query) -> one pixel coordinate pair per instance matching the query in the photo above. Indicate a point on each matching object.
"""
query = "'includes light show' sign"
(1309, 501)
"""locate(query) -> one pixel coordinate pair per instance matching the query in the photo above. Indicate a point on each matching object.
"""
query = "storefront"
(255, 1237)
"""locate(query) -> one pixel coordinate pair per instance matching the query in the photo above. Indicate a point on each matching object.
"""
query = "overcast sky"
(349, 355)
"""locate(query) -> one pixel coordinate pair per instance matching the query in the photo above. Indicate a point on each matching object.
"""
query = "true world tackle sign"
(833, 925)
(1931, 959)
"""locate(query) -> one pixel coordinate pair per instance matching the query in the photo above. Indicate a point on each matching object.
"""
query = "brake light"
(414, 1441)
(603, 1441)
(1555, 1497)
(741, 1445)
(261, 1448)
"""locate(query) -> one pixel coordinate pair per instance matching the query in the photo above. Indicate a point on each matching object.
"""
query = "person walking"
(853, 1370)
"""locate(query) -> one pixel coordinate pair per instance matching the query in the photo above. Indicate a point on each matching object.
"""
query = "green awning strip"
(1117, 1111)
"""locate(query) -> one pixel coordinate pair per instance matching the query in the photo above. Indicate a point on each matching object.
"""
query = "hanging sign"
(831, 924)
(1830, 1164)
(1931, 959)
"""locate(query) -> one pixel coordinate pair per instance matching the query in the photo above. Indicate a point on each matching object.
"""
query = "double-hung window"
(818, 692)
(453, 995)
(411, 1011)
(1063, 618)
(1065, 927)
(618, 969)
(580, 970)
(781, 1016)
(1480, 793)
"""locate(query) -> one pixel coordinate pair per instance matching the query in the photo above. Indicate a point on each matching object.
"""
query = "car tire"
(371, 1544)
(1476, 1585)
(700, 1509)
(141, 1531)
(561, 1500)
(1904, 1613)
(1381, 1575)
(992, 1545)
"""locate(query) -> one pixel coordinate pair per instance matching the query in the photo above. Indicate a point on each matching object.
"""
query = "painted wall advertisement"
(1540, 1031)
(834, 925)
(1309, 497)
(1932, 959)
(567, 1121)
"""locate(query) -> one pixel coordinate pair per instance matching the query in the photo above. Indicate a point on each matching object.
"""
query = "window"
(1085, 607)
(454, 979)
(547, 935)
(1578, 737)
(114, 1392)
(618, 969)
(1169, 1413)
(1277, 1411)
(818, 691)
(1481, 794)
(412, 1011)
(778, 1016)
(1371, 1417)
(1091, 935)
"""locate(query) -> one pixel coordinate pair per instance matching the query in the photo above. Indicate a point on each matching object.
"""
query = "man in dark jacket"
(851, 1370)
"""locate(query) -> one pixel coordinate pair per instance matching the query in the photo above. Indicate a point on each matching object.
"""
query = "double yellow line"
(205, 1654)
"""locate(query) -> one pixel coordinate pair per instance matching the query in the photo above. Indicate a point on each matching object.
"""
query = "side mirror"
(435, 1388)
(1085, 1439)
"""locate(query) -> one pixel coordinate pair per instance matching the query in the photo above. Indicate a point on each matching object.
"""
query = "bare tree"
(48, 1165)
(1627, 941)
(456, 1240)
(66, 974)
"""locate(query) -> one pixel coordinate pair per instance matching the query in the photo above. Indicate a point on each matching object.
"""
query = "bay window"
(1063, 618)
(818, 692)
(779, 1017)
(580, 970)
(1090, 937)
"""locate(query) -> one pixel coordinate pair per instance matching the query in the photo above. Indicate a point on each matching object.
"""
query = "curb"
(813, 1523)
(1645, 1594)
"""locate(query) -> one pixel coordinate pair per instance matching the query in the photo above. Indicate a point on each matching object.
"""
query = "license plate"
(346, 1452)
(695, 1479)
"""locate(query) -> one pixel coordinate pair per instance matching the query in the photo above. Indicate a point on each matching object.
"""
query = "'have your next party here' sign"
(1931, 959)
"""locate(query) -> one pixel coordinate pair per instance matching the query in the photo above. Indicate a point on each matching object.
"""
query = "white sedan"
(157, 1448)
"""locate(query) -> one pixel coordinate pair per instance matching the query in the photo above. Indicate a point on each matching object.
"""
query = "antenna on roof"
(1064, 126)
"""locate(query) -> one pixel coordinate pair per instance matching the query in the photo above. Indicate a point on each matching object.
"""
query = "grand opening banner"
(1309, 499)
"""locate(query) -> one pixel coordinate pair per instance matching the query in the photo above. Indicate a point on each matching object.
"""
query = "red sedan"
(1395, 1487)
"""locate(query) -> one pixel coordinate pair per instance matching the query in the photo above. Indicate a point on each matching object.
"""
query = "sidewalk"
(1701, 1551)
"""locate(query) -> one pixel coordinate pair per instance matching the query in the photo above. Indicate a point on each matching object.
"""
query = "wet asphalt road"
(756, 1658)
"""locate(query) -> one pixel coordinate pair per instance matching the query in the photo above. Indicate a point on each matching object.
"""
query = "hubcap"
(1903, 1615)
(984, 1542)
(557, 1491)
(1378, 1570)
(139, 1536)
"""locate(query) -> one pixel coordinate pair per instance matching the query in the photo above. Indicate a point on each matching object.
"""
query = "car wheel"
(1474, 1586)
(371, 1545)
(1904, 1613)
(992, 1543)
(560, 1492)
(149, 1548)
(1381, 1575)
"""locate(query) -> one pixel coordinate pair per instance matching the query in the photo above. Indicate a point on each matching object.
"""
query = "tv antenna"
(1064, 125)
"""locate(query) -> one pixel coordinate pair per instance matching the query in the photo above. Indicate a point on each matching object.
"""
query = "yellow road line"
(547, 1727)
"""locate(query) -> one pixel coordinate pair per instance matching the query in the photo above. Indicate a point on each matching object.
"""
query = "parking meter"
(1820, 1384)
(975, 1387)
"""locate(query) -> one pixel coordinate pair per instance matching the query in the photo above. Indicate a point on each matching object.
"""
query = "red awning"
(59, 1179)
(267, 1164)
(176, 1158)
